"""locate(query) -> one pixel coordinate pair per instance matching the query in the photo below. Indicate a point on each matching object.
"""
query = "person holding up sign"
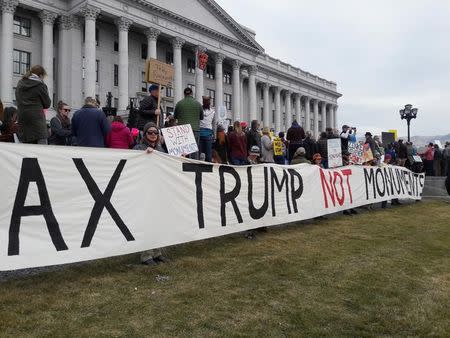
(148, 108)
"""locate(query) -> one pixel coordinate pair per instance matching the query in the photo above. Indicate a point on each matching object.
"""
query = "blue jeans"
(205, 147)
(237, 161)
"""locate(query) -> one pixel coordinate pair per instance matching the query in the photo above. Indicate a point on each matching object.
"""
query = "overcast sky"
(382, 54)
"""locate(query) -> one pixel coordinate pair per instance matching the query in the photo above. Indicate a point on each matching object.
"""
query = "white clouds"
(383, 54)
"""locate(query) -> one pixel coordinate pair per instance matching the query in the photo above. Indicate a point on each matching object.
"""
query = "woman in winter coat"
(237, 145)
(266, 147)
(32, 99)
(323, 149)
(61, 130)
(150, 142)
(120, 136)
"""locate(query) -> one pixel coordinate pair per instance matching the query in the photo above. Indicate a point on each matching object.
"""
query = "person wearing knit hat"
(317, 160)
(150, 142)
(300, 156)
(149, 110)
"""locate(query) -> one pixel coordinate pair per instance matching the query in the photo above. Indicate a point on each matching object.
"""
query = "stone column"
(64, 59)
(266, 109)
(48, 18)
(90, 16)
(177, 44)
(298, 109)
(8, 8)
(307, 114)
(236, 90)
(219, 79)
(252, 92)
(288, 104)
(335, 121)
(316, 118)
(277, 110)
(76, 80)
(323, 114)
(243, 113)
(123, 24)
(199, 89)
(330, 122)
(152, 38)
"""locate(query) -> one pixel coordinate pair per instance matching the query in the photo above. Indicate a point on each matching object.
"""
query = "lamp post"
(408, 113)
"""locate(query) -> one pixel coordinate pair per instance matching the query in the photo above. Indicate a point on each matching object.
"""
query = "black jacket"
(310, 147)
(147, 109)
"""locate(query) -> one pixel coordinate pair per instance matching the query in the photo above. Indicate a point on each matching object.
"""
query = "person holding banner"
(322, 144)
(266, 147)
(208, 127)
(148, 108)
(60, 126)
(295, 136)
(151, 141)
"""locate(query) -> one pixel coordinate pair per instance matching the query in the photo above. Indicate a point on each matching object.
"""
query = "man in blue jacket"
(90, 125)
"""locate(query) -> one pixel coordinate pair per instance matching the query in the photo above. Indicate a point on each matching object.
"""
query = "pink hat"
(134, 132)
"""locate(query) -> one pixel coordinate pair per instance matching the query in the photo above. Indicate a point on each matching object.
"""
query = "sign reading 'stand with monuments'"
(70, 204)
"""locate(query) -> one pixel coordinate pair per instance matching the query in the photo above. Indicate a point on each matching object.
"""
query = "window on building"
(273, 97)
(262, 114)
(210, 72)
(191, 66)
(116, 102)
(262, 93)
(97, 68)
(116, 75)
(212, 95)
(227, 77)
(227, 98)
(144, 82)
(273, 116)
(144, 51)
(116, 46)
(97, 98)
(193, 88)
(169, 58)
(169, 92)
(21, 61)
(22, 26)
(97, 37)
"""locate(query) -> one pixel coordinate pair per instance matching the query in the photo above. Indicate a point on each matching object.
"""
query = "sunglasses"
(152, 132)
(67, 110)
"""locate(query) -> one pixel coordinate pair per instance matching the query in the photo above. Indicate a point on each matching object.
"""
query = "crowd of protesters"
(240, 144)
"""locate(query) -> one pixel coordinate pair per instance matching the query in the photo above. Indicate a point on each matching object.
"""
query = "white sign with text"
(180, 140)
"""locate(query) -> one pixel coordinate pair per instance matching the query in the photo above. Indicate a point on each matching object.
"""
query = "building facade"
(93, 47)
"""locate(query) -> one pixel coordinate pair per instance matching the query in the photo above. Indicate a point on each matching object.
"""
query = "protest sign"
(334, 152)
(395, 132)
(70, 204)
(356, 152)
(222, 113)
(277, 147)
(159, 72)
(180, 140)
(367, 153)
(417, 158)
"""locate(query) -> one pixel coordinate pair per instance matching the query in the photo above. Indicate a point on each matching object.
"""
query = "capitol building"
(92, 47)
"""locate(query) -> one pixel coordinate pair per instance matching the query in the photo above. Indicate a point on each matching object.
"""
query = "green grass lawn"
(380, 273)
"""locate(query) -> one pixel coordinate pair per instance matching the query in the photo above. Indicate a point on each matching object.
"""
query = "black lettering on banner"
(198, 169)
(388, 181)
(397, 186)
(31, 172)
(257, 213)
(296, 193)
(377, 183)
(369, 179)
(400, 178)
(284, 181)
(229, 196)
(101, 201)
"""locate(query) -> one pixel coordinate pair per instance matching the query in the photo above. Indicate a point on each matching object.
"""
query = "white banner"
(69, 204)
